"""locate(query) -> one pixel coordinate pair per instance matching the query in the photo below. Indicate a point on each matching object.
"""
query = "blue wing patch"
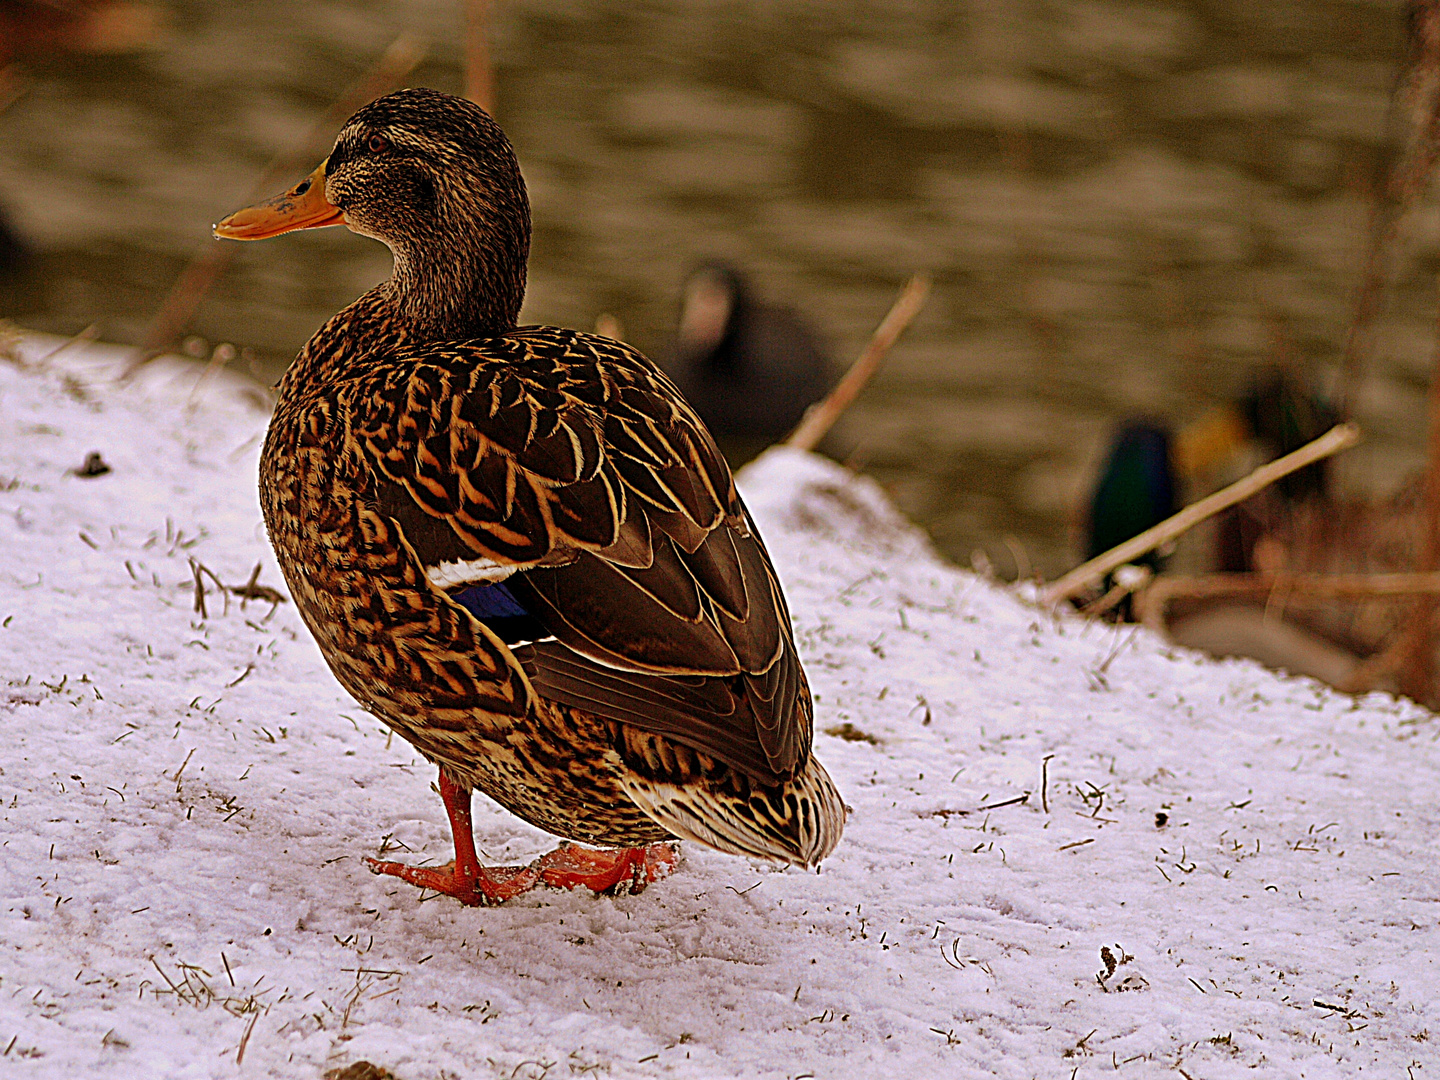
(496, 607)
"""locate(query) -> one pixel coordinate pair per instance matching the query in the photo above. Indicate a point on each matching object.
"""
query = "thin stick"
(1207, 585)
(1340, 437)
(245, 1039)
(479, 75)
(1414, 124)
(210, 261)
(219, 357)
(1417, 672)
(199, 591)
(1368, 297)
(1110, 600)
(12, 85)
(88, 334)
(177, 788)
(1007, 802)
(820, 418)
(1153, 600)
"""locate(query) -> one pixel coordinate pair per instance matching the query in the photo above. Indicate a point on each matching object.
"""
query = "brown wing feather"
(575, 452)
(716, 716)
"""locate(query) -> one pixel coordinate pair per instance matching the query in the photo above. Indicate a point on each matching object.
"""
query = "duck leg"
(569, 866)
(463, 877)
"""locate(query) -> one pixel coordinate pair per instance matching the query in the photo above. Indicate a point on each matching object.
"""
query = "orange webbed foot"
(488, 885)
(612, 870)
(606, 870)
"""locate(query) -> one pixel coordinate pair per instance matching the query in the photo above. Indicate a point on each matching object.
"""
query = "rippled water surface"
(1127, 207)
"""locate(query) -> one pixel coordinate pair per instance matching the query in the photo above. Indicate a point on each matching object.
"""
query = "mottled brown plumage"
(519, 546)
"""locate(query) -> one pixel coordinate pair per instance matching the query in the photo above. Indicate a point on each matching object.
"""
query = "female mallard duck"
(519, 546)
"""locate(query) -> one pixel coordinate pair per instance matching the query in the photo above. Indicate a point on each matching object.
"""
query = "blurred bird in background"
(1148, 466)
(750, 369)
(1140, 485)
(1280, 412)
(1137, 489)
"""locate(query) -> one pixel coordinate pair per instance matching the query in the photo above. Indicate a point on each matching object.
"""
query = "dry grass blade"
(181, 770)
(88, 334)
(199, 590)
(253, 590)
(1340, 437)
(245, 1039)
(200, 571)
(821, 417)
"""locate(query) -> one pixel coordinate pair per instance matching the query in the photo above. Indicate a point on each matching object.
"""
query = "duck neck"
(441, 293)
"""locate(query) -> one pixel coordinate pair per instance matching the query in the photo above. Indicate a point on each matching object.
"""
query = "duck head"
(434, 178)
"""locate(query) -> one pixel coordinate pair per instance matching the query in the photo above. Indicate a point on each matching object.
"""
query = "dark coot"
(749, 368)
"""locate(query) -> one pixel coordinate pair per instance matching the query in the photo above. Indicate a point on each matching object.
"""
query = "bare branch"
(1340, 437)
(821, 417)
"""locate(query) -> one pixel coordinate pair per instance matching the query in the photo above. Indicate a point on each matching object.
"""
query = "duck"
(1137, 489)
(1149, 463)
(1279, 413)
(1281, 410)
(749, 368)
(518, 546)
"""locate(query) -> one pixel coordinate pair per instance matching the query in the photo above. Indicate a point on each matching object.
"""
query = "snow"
(186, 800)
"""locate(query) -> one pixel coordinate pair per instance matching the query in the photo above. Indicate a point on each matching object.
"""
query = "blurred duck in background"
(1137, 490)
(1147, 466)
(1279, 415)
(1140, 484)
(750, 369)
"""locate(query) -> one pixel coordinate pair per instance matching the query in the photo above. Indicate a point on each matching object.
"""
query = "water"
(1127, 207)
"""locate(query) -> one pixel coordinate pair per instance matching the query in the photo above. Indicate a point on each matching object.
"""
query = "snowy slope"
(186, 800)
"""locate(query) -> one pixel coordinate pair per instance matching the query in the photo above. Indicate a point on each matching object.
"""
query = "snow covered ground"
(186, 799)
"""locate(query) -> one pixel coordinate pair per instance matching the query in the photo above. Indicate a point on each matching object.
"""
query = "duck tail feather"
(796, 821)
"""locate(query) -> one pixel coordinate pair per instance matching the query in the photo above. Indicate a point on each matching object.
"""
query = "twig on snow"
(181, 769)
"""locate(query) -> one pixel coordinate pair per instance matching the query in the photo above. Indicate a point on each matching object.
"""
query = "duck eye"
(378, 144)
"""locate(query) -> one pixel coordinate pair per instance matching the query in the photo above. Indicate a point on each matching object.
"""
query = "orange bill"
(302, 207)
